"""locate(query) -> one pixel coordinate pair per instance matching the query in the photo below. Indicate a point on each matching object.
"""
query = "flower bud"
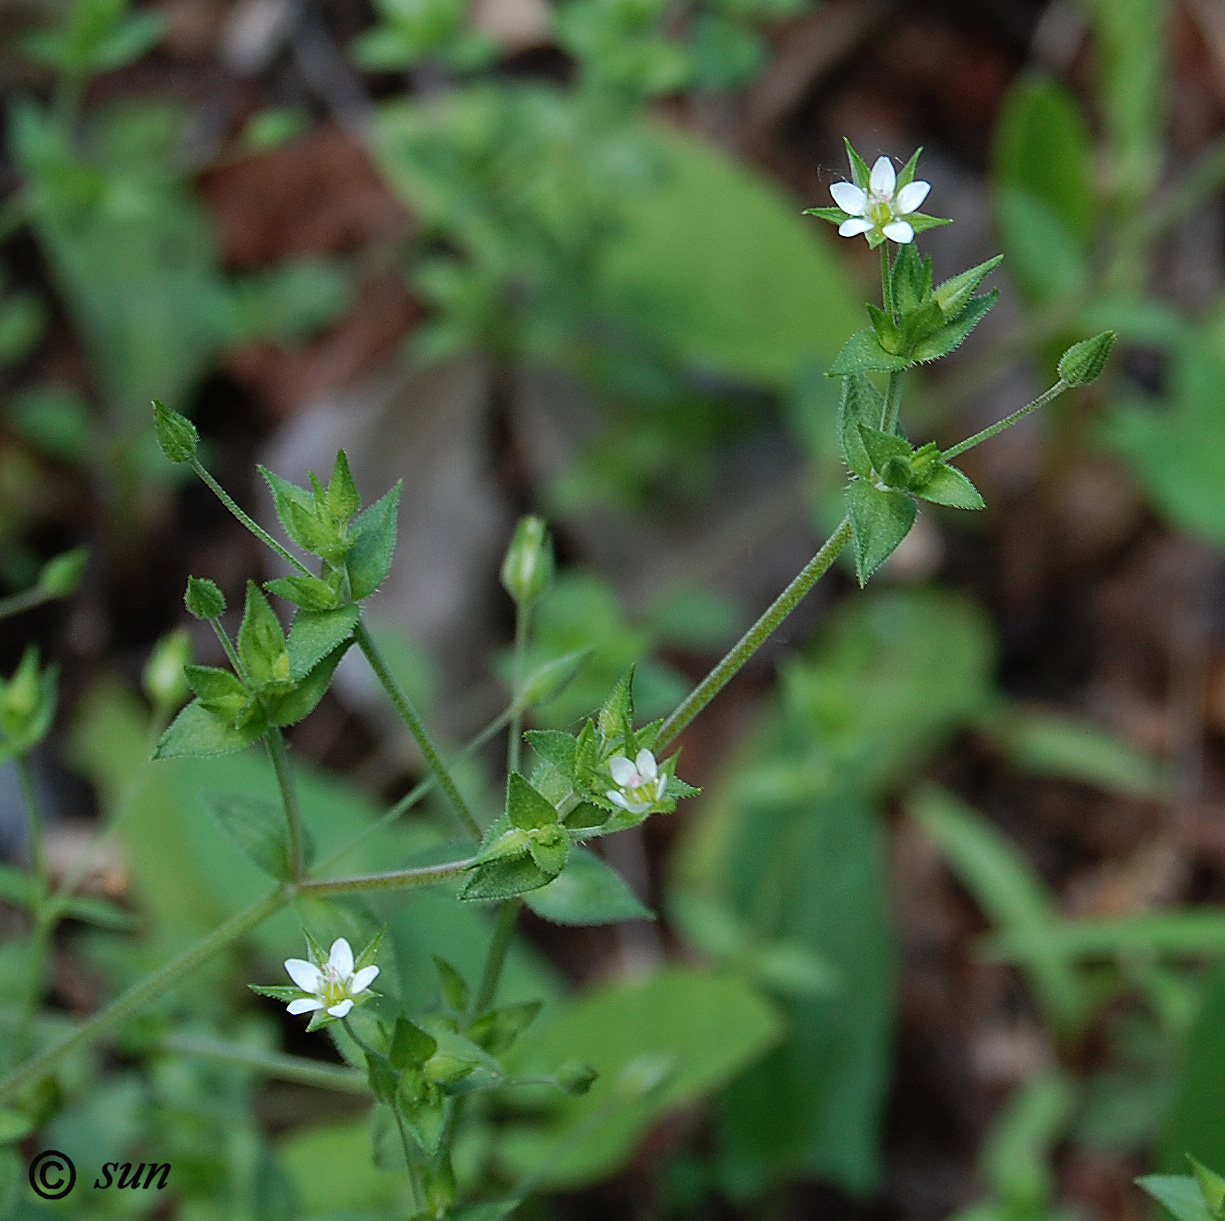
(576, 1076)
(62, 573)
(527, 570)
(203, 598)
(163, 679)
(176, 434)
(1083, 362)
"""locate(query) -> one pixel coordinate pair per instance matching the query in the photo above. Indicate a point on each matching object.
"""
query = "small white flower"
(333, 985)
(639, 784)
(882, 206)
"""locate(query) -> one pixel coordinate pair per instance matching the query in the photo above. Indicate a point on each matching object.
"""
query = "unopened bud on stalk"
(1083, 362)
(176, 434)
(203, 598)
(527, 570)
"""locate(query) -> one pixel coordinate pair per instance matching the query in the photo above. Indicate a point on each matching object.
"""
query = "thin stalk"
(523, 616)
(27, 599)
(141, 994)
(255, 528)
(227, 646)
(1007, 422)
(298, 1069)
(394, 879)
(417, 792)
(495, 956)
(38, 910)
(886, 279)
(275, 743)
(752, 640)
(416, 727)
(893, 401)
(414, 1178)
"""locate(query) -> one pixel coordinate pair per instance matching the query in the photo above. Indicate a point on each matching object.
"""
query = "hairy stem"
(1007, 422)
(393, 879)
(495, 956)
(523, 615)
(299, 1069)
(416, 727)
(752, 640)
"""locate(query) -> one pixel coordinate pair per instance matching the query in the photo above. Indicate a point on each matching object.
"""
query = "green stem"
(275, 743)
(394, 879)
(228, 648)
(1007, 422)
(893, 402)
(416, 793)
(416, 727)
(495, 956)
(27, 599)
(414, 1176)
(753, 639)
(141, 994)
(255, 528)
(523, 615)
(38, 909)
(272, 1064)
(886, 280)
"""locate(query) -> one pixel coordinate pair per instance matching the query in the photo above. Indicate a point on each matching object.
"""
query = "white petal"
(645, 763)
(618, 799)
(339, 1011)
(900, 231)
(340, 959)
(854, 226)
(622, 769)
(304, 974)
(363, 979)
(884, 179)
(304, 1004)
(911, 196)
(849, 197)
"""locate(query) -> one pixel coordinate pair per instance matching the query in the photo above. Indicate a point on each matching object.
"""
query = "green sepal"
(176, 434)
(861, 403)
(255, 826)
(616, 715)
(941, 342)
(1083, 362)
(197, 732)
(555, 747)
(290, 707)
(587, 758)
(549, 847)
(497, 1029)
(954, 295)
(862, 353)
(907, 172)
(315, 634)
(454, 985)
(947, 485)
(861, 172)
(343, 499)
(411, 1046)
(834, 215)
(278, 992)
(879, 520)
(373, 542)
(261, 641)
(525, 807)
(678, 788)
(309, 593)
(366, 955)
(920, 222)
(585, 816)
(912, 279)
(504, 879)
(204, 598)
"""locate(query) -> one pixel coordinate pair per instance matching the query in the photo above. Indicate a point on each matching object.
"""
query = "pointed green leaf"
(954, 295)
(503, 879)
(411, 1046)
(261, 641)
(289, 707)
(617, 713)
(310, 593)
(948, 486)
(885, 448)
(527, 808)
(887, 333)
(498, 1029)
(909, 279)
(342, 497)
(253, 825)
(1211, 1184)
(880, 521)
(198, 732)
(554, 746)
(1180, 1193)
(295, 507)
(587, 891)
(862, 353)
(950, 336)
(454, 986)
(861, 403)
(550, 849)
(369, 558)
(861, 173)
(219, 690)
(835, 215)
(315, 634)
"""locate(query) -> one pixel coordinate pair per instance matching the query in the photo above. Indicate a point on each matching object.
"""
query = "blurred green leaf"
(587, 891)
(1180, 1193)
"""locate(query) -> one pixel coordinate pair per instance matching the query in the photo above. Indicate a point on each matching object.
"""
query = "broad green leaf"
(706, 1028)
(411, 1046)
(885, 448)
(587, 891)
(950, 336)
(1045, 258)
(219, 690)
(369, 559)
(949, 486)
(254, 825)
(861, 403)
(880, 521)
(196, 731)
(261, 640)
(295, 507)
(310, 593)
(555, 747)
(504, 879)
(1007, 888)
(955, 294)
(862, 353)
(525, 807)
(289, 707)
(1180, 1193)
(315, 634)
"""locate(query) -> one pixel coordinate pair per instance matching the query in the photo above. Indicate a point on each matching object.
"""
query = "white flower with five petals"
(333, 986)
(640, 784)
(880, 210)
